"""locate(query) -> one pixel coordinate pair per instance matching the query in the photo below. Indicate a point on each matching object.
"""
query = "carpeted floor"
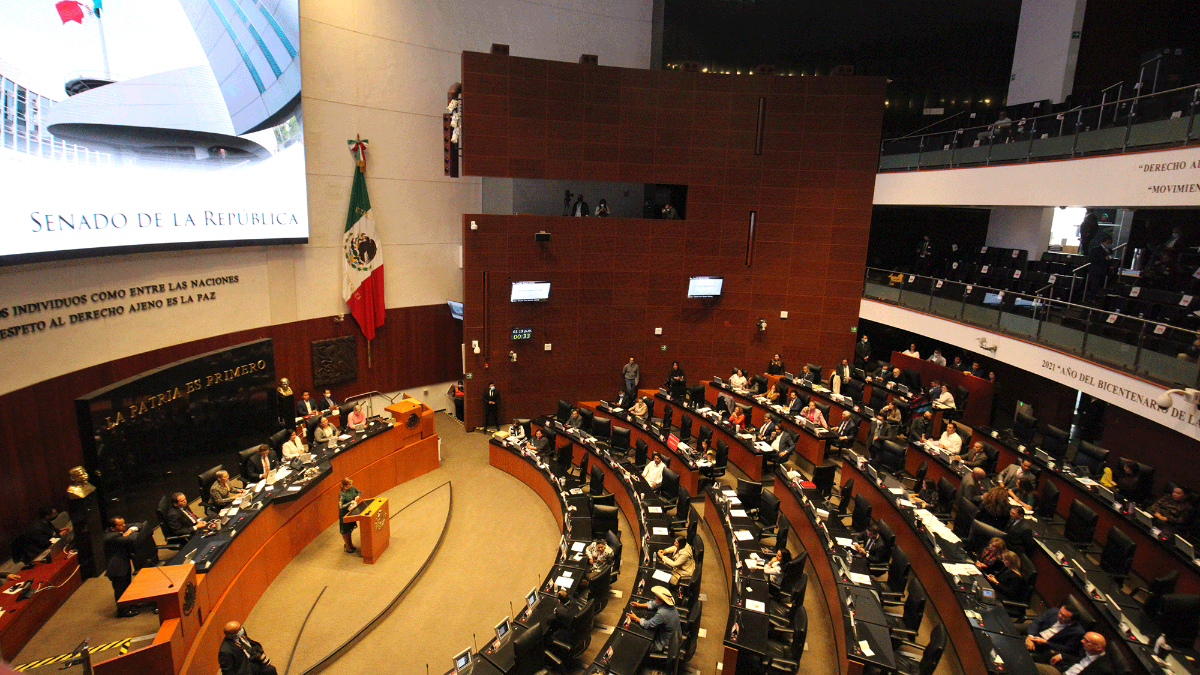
(499, 541)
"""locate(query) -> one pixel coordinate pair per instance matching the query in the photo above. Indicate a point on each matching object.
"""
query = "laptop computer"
(1042, 455)
(1143, 517)
(1105, 493)
(717, 380)
(1185, 546)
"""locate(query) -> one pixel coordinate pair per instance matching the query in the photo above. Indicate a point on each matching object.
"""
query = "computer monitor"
(1185, 546)
(1105, 493)
(531, 597)
(456, 309)
(704, 287)
(1143, 517)
(530, 291)
(462, 659)
(503, 628)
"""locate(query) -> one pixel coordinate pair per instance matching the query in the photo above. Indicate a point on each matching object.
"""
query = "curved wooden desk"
(188, 644)
(689, 477)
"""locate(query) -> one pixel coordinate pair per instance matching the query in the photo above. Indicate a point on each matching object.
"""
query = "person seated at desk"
(893, 377)
(813, 415)
(1094, 660)
(639, 410)
(1014, 472)
(1024, 493)
(599, 556)
(920, 428)
(1017, 533)
(679, 559)
(37, 537)
(957, 364)
(971, 487)
(738, 380)
(328, 402)
(654, 471)
(737, 418)
(950, 440)
(794, 405)
(846, 431)
(575, 420)
(180, 521)
(539, 443)
(1056, 631)
(942, 399)
(347, 501)
(912, 351)
(1009, 583)
(927, 496)
(989, 559)
(772, 395)
(1126, 479)
(258, 466)
(293, 447)
(306, 405)
(936, 357)
(888, 420)
(976, 370)
(120, 547)
(1173, 508)
(326, 433)
(975, 457)
(776, 366)
(664, 622)
(516, 431)
(993, 509)
(769, 429)
(358, 421)
(222, 493)
(869, 545)
(774, 567)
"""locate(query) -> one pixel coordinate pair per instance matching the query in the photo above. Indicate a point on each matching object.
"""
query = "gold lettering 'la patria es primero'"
(145, 404)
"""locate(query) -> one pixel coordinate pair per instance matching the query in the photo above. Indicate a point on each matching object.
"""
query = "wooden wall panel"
(615, 281)
(416, 345)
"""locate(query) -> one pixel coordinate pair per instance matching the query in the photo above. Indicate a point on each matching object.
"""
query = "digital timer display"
(522, 333)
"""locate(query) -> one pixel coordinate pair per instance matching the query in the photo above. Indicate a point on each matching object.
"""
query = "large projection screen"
(148, 125)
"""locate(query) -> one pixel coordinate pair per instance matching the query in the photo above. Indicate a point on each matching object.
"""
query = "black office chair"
(861, 517)
(668, 490)
(688, 650)
(1143, 488)
(1024, 426)
(1117, 556)
(878, 398)
(685, 428)
(1018, 607)
(853, 389)
(906, 624)
(931, 654)
(758, 385)
(980, 535)
(749, 493)
(704, 434)
(917, 477)
(596, 482)
(946, 492)
(1179, 617)
(992, 454)
(1055, 442)
(823, 477)
(1158, 588)
(892, 456)
(845, 495)
(1047, 501)
(587, 416)
(601, 428)
(206, 481)
(785, 646)
(777, 534)
(174, 541)
(529, 650)
(604, 519)
(668, 413)
(572, 640)
(614, 542)
(1080, 527)
(897, 575)
(619, 442)
(278, 438)
(1090, 457)
(641, 454)
(608, 499)
(244, 457)
(964, 515)
(564, 458)
(668, 661)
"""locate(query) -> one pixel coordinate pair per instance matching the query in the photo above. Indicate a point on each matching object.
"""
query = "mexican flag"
(362, 261)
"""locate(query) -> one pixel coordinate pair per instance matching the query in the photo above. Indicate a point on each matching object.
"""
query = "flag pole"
(361, 165)
(103, 46)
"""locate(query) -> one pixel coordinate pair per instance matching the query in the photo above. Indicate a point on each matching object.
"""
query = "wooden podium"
(173, 590)
(374, 527)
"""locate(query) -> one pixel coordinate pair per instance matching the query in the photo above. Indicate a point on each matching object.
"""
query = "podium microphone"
(170, 584)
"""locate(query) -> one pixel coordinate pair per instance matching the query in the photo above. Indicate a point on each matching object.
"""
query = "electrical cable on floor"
(301, 631)
(419, 499)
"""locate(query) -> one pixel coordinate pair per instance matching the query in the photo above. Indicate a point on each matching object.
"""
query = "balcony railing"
(1156, 351)
(1163, 119)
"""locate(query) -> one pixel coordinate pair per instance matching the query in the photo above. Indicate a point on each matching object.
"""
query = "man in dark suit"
(120, 545)
(921, 427)
(37, 537)
(872, 546)
(239, 655)
(972, 486)
(768, 430)
(491, 406)
(1055, 631)
(306, 405)
(258, 466)
(846, 432)
(181, 522)
(862, 352)
(327, 402)
(1013, 472)
(1093, 661)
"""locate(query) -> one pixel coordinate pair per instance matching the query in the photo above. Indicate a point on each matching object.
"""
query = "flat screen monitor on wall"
(456, 309)
(530, 291)
(705, 287)
(125, 140)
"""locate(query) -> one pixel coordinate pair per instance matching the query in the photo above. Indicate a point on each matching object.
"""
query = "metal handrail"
(1057, 115)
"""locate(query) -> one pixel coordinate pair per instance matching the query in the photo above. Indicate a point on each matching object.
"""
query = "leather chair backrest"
(1024, 427)
(1117, 556)
(1054, 441)
(279, 438)
(1047, 503)
(685, 427)
(946, 492)
(722, 452)
(670, 484)
(614, 542)
(640, 452)
(824, 408)
(1091, 456)
(601, 427)
(587, 416)
(620, 439)
(530, 651)
(206, 481)
(668, 413)
(768, 508)
(704, 434)
(596, 485)
(1081, 523)
(804, 396)
(758, 384)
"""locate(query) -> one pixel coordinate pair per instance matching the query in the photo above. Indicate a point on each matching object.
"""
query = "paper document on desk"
(743, 535)
(1087, 481)
(897, 491)
(745, 435)
(866, 648)
(661, 575)
(844, 541)
(860, 578)
(756, 605)
(961, 569)
(904, 502)
(659, 530)
(737, 513)
(654, 509)
(232, 512)
(578, 546)
(564, 582)
(345, 437)
(762, 447)
(295, 488)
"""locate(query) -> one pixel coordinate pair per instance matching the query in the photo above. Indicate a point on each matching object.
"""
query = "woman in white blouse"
(738, 380)
(294, 447)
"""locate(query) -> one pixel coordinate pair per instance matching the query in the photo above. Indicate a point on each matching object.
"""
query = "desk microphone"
(170, 584)
(475, 642)
(510, 610)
